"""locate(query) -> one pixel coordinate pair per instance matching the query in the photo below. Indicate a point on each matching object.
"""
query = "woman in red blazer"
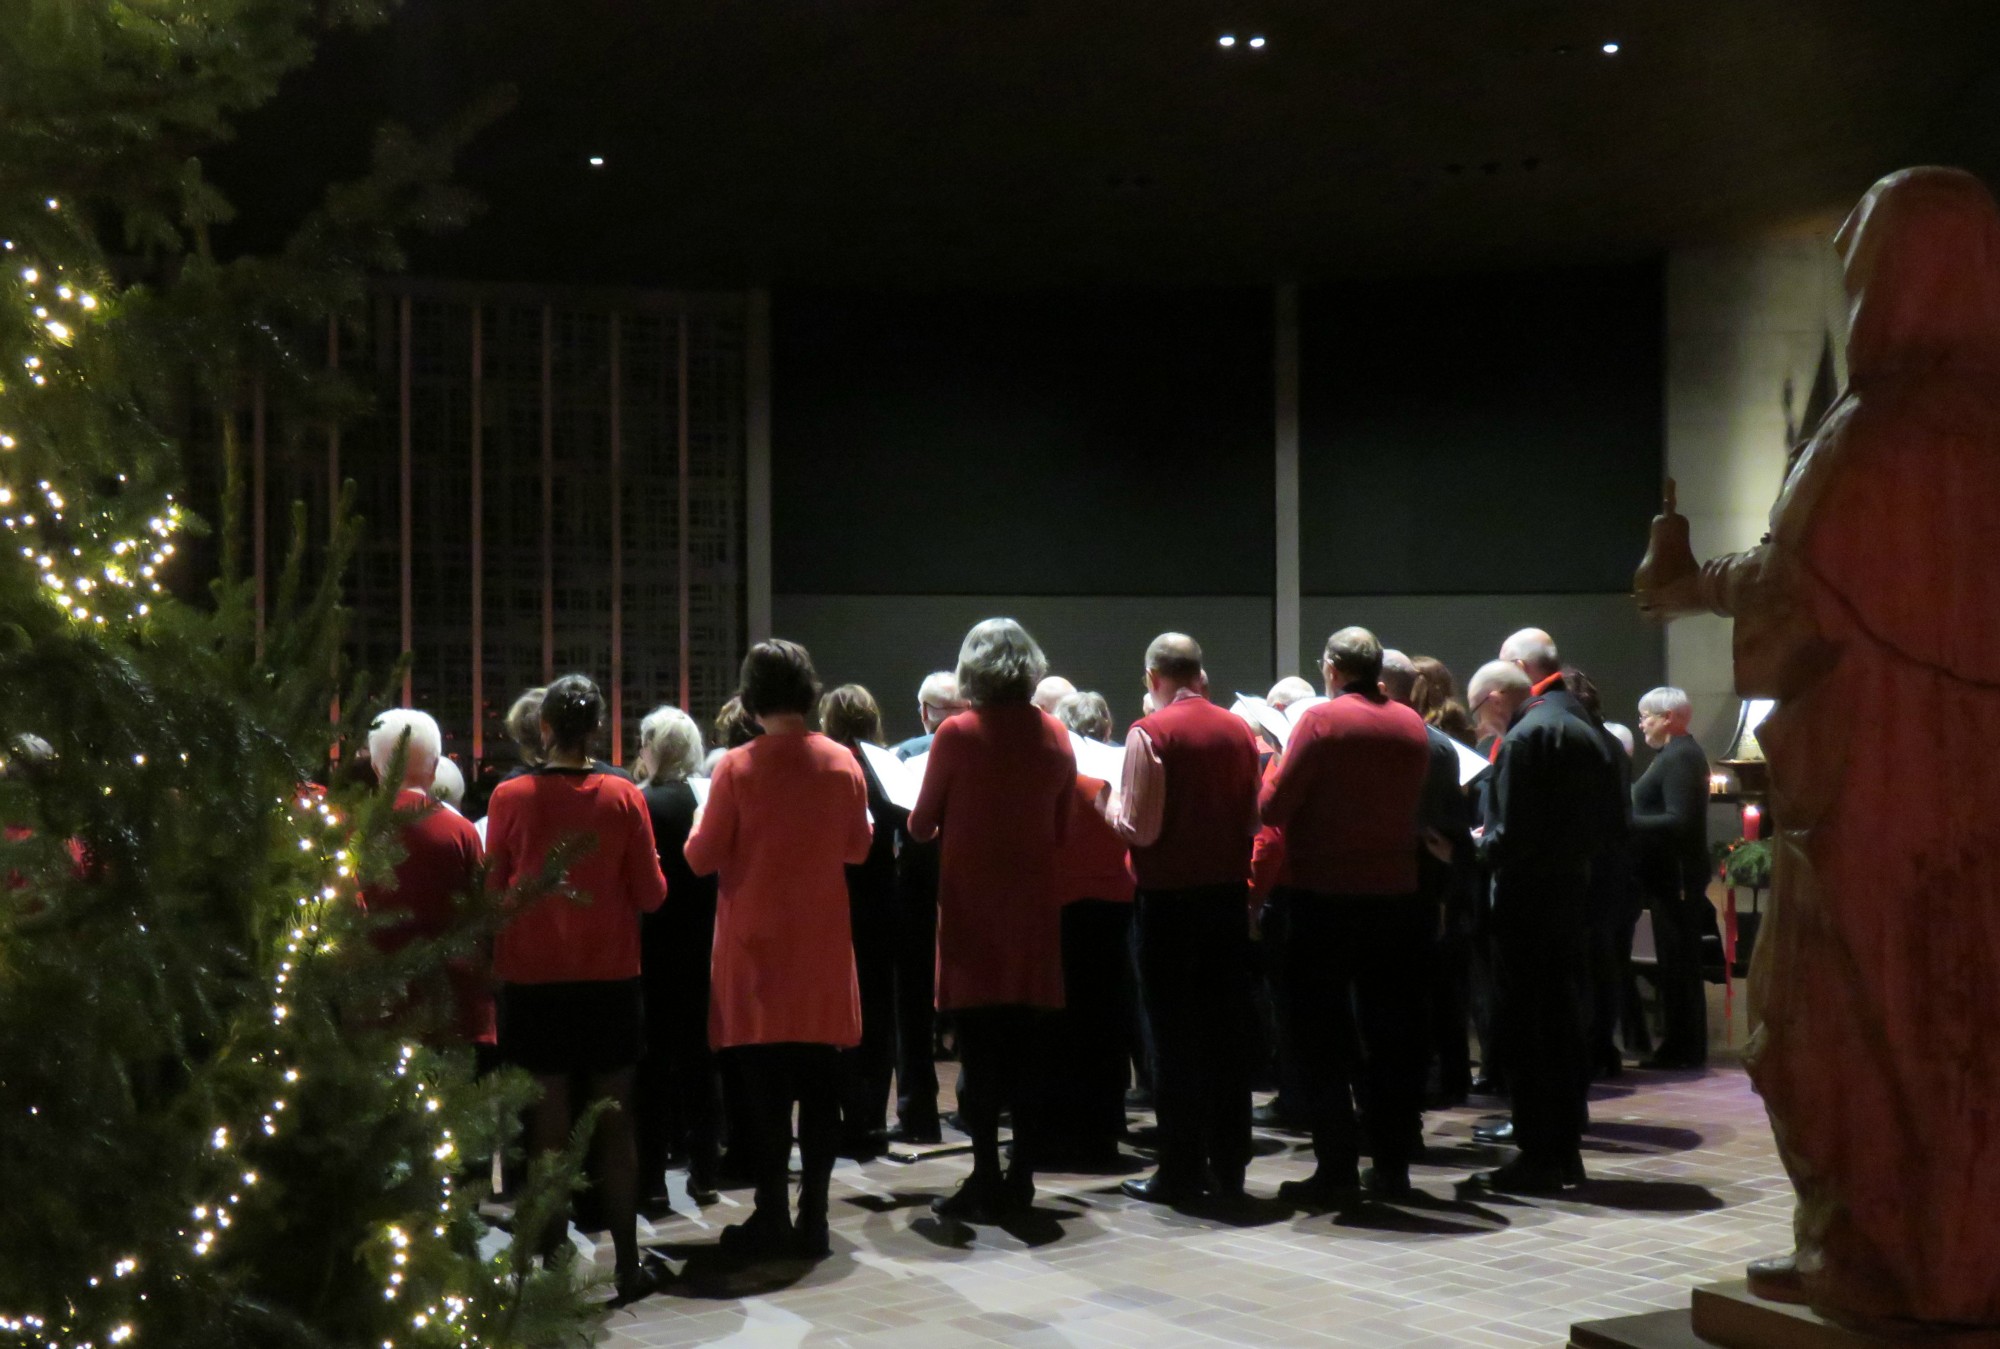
(568, 963)
(786, 815)
(997, 796)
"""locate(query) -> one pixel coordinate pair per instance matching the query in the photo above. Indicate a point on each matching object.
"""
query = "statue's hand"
(1674, 599)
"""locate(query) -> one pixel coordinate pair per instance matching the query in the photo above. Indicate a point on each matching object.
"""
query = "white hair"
(1399, 675)
(669, 746)
(999, 663)
(426, 745)
(1623, 732)
(1534, 650)
(1665, 701)
(939, 689)
(1497, 676)
(449, 784)
(1288, 691)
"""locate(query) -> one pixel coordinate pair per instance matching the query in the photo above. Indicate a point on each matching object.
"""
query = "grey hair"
(1086, 713)
(669, 746)
(426, 744)
(938, 689)
(1497, 676)
(999, 663)
(1051, 691)
(1665, 701)
(524, 724)
(448, 785)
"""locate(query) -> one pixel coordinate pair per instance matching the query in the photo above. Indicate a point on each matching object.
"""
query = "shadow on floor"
(1646, 1196)
(708, 1275)
(1620, 1136)
(1423, 1215)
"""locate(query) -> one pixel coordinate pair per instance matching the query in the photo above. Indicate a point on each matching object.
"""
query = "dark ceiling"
(947, 142)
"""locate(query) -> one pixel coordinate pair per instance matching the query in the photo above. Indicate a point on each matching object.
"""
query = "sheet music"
(1471, 763)
(1096, 759)
(699, 786)
(899, 784)
(1269, 718)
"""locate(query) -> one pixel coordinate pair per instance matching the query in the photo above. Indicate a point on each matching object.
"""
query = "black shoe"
(810, 1238)
(1489, 1084)
(978, 1200)
(1387, 1182)
(702, 1189)
(1018, 1191)
(1496, 1135)
(1159, 1189)
(1138, 1098)
(642, 1281)
(1322, 1190)
(1522, 1176)
(918, 1134)
(861, 1147)
(1274, 1116)
(758, 1237)
(1227, 1187)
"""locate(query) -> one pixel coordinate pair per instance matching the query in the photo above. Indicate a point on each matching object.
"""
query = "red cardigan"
(441, 856)
(590, 933)
(1092, 862)
(786, 814)
(1345, 796)
(998, 795)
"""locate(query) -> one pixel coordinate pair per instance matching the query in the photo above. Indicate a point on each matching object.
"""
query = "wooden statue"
(1871, 612)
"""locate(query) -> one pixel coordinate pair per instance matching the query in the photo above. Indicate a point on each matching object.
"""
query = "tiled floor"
(1685, 1188)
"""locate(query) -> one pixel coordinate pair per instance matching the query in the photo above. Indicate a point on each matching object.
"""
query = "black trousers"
(1355, 994)
(678, 1094)
(1451, 1013)
(915, 967)
(772, 1079)
(1194, 982)
(1678, 923)
(1483, 983)
(1089, 1064)
(866, 1068)
(1002, 1051)
(1541, 939)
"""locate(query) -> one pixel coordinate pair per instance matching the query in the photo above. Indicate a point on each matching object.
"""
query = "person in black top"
(1670, 821)
(916, 940)
(1613, 902)
(679, 1094)
(848, 716)
(1552, 801)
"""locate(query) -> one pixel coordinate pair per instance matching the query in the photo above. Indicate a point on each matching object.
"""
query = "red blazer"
(998, 795)
(590, 933)
(441, 856)
(1092, 862)
(786, 814)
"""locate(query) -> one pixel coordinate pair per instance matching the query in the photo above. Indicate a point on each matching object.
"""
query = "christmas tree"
(221, 1121)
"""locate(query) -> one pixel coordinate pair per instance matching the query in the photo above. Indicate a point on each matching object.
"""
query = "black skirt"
(552, 1030)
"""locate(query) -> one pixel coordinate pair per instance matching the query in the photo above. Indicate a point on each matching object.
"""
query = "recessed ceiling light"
(1226, 40)
(1256, 42)
(597, 161)
(1611, 49)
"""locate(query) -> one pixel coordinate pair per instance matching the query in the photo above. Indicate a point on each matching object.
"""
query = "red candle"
(1752, 819)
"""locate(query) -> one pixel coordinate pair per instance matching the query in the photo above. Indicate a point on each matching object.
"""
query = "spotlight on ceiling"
(1611, 49)
(597, 161)
(1257, 42)
(1226, 40)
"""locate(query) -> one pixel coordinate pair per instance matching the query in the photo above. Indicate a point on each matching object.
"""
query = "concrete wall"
(1741, 322)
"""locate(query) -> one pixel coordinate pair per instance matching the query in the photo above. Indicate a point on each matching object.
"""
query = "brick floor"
(1686, 1187)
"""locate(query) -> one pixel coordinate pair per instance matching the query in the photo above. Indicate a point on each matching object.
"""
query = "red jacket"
(998, 795)
(441, 856)
(1346, 795)
(786, 814)
(590, 933)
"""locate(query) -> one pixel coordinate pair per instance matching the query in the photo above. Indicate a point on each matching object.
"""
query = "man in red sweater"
(1188, 809)
(1346, 797)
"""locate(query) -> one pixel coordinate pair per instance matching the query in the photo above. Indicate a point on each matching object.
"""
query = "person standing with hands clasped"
(787, 814)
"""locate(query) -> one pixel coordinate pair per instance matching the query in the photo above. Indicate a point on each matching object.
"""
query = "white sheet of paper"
(1268, 717)
(899, 784)
(1095, 759)
(699, 786)
(1471, 763)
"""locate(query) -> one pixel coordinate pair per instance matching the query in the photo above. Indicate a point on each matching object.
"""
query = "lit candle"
(1752, 819)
